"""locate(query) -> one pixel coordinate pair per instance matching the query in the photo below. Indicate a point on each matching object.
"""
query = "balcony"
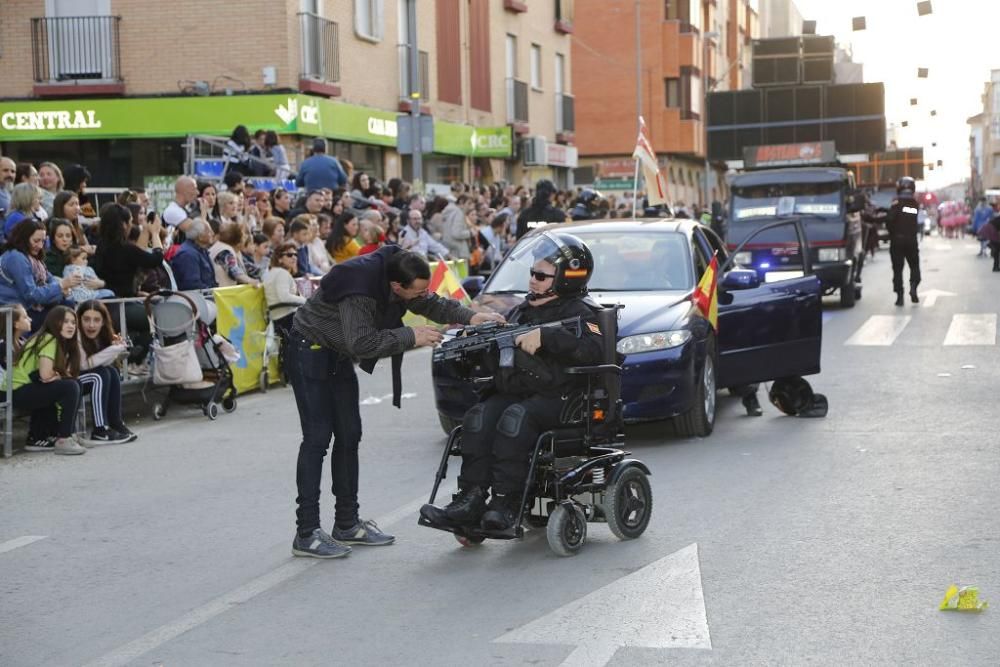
(565, 117)
(76, 55)
(406, 87)
(517, 104)
(320, 66)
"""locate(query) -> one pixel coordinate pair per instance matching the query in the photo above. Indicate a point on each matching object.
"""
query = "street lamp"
(706, 37)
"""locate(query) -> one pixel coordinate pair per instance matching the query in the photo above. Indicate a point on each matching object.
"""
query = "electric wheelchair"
(579, 473)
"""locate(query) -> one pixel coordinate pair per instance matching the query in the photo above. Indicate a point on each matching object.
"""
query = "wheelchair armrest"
(594, 370)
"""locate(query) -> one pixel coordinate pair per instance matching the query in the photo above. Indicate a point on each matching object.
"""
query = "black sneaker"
(899, 298)
(318, 545)
(466, 507)
(124, 433)
(103, 436)
(501, 513)
(366, 533)
(40, 444)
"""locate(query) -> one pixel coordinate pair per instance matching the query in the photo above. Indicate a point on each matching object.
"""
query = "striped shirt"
(349, 325)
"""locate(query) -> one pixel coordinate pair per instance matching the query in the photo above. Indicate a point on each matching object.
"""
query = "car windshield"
(623, 261)
(765, 201)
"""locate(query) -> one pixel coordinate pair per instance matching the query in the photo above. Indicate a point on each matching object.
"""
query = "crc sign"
(34, 121)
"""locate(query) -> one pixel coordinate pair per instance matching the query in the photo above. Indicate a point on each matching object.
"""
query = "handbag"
(176, 364)
(476, 256)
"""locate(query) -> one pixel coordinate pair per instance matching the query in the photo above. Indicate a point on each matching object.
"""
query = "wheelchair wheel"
(469, 540)
(628, 504)
(567, 530)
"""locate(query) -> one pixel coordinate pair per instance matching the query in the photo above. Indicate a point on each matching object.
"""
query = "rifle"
(481, 337)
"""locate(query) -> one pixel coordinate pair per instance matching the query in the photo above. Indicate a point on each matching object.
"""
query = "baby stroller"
(187, 357)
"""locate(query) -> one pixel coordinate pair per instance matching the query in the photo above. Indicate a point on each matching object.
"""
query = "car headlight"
(744, 258)
(832, 254)
(660, 340)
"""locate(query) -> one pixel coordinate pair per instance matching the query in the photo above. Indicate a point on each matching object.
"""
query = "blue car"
(675, 361)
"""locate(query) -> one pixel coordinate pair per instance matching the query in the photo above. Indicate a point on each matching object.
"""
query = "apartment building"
(985, 140)
(120, 85)
(688, 48)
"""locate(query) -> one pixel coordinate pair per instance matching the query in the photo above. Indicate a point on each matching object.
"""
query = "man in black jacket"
(355, 315)
(901, 222)
(535, 395)
(541, 212)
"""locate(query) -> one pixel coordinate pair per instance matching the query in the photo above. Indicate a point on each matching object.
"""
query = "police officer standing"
(901, 222)
(535, 395)
(541, 212)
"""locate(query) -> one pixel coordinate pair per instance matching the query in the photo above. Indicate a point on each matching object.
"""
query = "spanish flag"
(706, 296)
(445, 283)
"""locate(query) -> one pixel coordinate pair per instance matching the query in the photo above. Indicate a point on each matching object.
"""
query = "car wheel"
(447, 423)
(847, 296)
(700, 419)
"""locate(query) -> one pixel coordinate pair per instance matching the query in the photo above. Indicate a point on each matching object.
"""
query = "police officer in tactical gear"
(901, 222)
(541, 212)
(499, 433)
(588, 205)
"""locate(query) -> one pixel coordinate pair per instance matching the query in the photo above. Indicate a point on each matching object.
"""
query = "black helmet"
(794, 396)
(906, 186)
(573, 261)
(590, 198)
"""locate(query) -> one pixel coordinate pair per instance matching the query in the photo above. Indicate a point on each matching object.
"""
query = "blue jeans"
(326, 395)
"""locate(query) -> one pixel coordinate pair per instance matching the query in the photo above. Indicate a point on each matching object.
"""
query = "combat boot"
(466, 507)
(752, 405)
(913, 295)
(899, 298)
(501, 513)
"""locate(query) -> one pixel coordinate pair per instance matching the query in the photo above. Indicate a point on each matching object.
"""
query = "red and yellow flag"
(706, 296)
(445, 283)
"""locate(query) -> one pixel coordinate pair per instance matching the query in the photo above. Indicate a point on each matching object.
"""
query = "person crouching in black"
(356, 314)
(499, 433)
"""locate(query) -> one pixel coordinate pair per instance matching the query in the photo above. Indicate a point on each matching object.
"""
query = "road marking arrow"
(930, 297)
(660, 606)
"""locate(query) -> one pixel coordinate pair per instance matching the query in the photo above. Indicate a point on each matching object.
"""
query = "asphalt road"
(775, 541)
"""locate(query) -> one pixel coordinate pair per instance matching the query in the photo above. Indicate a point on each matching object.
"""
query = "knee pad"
(512, 420)
(473, 419)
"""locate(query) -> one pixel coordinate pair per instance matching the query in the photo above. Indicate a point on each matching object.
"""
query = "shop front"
(122, 141)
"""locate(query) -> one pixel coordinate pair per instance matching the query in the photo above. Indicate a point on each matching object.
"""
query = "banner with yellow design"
(242, 319)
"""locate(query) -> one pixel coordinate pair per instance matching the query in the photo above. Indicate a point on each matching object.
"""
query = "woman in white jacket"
(280, 290)
(100, 347)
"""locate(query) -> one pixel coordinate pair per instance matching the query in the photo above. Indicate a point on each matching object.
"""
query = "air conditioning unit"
(533, 150)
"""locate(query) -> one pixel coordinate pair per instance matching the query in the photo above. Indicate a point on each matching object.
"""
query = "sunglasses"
(539, 275)
(289, 254)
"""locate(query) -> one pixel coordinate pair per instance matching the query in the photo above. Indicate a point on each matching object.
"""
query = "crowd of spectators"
(60, 254)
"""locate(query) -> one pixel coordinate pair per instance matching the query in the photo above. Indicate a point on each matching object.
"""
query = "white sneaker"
(68, 446)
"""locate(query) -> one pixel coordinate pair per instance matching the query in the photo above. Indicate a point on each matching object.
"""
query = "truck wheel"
(847, 296)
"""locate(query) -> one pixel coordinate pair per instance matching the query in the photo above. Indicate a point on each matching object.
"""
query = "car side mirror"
(739, 279)
(473, 285)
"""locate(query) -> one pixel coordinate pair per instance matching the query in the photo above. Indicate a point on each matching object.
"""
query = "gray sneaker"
(318, 545)
(68, 446)
(363, 532)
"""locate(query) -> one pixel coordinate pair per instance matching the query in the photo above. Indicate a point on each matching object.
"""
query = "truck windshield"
(765, 201)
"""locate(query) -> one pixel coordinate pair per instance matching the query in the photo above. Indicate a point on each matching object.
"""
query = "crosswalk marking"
(972, 329)
(879, 330)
